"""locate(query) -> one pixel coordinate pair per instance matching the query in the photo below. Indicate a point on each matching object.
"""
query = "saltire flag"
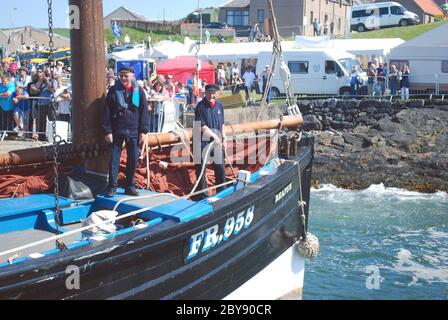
(116, 30)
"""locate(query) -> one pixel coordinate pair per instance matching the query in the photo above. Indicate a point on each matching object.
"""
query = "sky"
(19, 13)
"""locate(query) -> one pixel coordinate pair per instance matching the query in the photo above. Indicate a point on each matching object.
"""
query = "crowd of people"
(25, 97)
(380, 78)
(163, 88)
(26, 91)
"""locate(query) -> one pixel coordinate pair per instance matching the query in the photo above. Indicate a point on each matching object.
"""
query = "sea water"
(380, 243)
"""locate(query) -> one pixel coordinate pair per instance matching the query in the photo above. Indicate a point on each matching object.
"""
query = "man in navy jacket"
(126, 119)
(209, 113)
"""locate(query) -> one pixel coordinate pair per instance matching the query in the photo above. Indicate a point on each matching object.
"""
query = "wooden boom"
(69, 152)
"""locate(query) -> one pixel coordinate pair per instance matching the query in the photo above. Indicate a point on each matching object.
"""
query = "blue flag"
(116, 30)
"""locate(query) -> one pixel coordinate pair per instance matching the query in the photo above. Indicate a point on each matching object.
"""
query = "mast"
(278, 60)
(88, 80)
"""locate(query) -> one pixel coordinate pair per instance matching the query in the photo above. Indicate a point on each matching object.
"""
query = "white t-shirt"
(221, 74)
(63, 105)
(249, 78)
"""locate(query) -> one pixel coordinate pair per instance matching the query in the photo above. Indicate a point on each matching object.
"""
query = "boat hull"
(200, 259)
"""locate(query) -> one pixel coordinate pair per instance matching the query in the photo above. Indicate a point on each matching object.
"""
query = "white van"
(313, 71)
(381, 14)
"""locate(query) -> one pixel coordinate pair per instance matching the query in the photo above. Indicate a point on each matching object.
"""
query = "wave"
(406, 264)
(377, 192)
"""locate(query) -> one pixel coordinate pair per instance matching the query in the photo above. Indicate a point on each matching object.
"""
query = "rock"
(363, 119)
(415, 103)
(408, 152)
(366, 104)
(359, 142)
(311, 123)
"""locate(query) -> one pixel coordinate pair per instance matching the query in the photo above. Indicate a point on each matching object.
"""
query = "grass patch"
(405, 33)
(62, 32)
(139, 36)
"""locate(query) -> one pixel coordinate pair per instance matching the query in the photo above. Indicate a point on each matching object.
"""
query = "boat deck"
(31, 219)
(20, 238)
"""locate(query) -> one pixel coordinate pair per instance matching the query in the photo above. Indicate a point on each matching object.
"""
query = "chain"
(53, 111)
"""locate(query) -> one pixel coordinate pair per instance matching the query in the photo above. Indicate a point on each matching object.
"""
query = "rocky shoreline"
(369, 142)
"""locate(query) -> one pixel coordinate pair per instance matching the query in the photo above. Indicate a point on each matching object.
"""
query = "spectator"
(7, 89)
(13, 69)
(170, 86)
(63, 100)
(40, 109)
(207, 36)
(238, 84)
(355, 80)
(228, 70)
(326, 26)
(189, 88)
(21, 109)
(249, 78)
(264, 77)
(110, 79)
(59, 69)
(393, 81)
(315, 28)
(222, 81)
(158, 95)
(142, 85)
(23, 78)
(371, 80)
(381, 81)
(405, 82)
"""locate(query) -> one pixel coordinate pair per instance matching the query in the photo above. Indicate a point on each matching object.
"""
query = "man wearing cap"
(209, 113)
(23, 79)
(126, 119)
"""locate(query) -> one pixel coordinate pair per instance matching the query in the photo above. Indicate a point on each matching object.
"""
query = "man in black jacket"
(126, 119)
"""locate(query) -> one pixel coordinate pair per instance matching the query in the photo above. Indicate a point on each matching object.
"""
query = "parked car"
(216, 25)
(129, 46)
(381, 14)
(313, 71)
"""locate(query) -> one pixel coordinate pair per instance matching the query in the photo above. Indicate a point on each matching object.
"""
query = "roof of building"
(429, 7)
(236, 4)
(135, 15)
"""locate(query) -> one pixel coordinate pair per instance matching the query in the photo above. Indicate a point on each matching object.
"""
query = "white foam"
(405, 264)
(376, 192)
(437, 234)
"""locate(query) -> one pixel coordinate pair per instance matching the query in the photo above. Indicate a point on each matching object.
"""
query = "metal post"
(437, 84)
(89, 79)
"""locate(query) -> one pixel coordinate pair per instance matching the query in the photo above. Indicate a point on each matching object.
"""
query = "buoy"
(309, 247)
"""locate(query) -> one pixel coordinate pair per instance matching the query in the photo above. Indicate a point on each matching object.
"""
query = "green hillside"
(139, 36)
(405, 33)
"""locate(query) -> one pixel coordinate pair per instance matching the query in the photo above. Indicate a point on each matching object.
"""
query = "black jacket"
(129, 122)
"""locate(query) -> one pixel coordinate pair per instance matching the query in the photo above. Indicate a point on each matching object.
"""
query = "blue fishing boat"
(248, 241)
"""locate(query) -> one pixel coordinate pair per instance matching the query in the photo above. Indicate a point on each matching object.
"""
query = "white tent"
(132, 54)
(426, 56)
(359, 47)
(167, 49)
(220, 52)
(430, 45)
